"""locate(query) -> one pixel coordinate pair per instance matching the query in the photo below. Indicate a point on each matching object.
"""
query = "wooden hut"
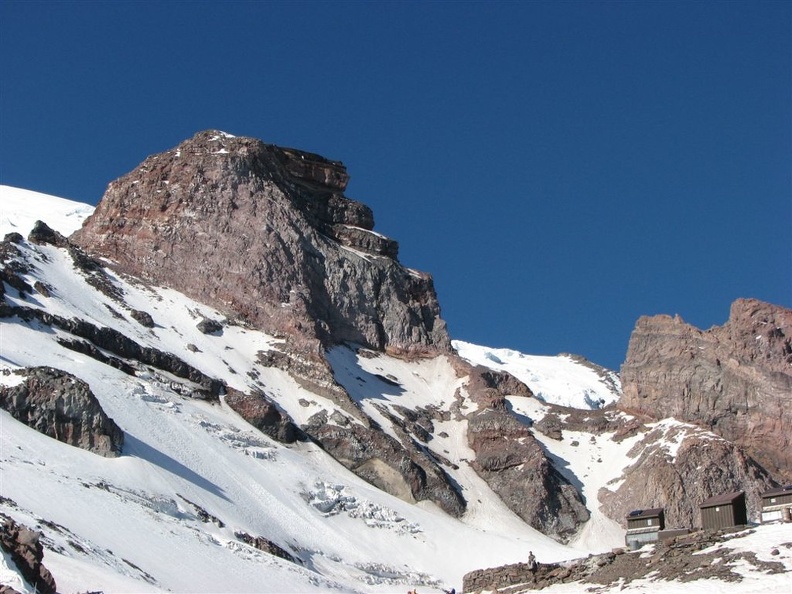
(644, 526)
(724, 511)
(777, 504)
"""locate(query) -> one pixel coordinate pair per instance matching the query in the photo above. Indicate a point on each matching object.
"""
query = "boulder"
(261, 412)
(61, 406)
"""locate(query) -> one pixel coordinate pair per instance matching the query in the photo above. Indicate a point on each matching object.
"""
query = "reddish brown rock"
(735, 379)
(24, 548)
(261, 412)
(702, 465)
(514, 465)
(265, 234)
(511, 460)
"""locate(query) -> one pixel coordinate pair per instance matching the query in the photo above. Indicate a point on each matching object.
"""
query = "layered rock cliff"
(266, 234)
(735, 379)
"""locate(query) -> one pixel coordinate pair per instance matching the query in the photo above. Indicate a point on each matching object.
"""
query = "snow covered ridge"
(20, 209)
(561, 380)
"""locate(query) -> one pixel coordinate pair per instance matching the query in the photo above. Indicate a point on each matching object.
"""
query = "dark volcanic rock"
(117, 343)
(275, 239)
(207, 326)
(259, 411)
(266, 545)
(142, 317)
(735, 380)
(381, 460)
(42, 234)
(27, 553)
(682, 559)
(63, 407)
(512, 462)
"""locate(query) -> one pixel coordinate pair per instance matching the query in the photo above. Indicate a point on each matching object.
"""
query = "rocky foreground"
(702, 555)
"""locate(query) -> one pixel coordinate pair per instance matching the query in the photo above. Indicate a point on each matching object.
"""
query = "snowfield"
(167, 515)
(560, 380)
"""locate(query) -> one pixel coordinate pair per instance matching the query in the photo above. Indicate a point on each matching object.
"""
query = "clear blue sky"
(561, 168)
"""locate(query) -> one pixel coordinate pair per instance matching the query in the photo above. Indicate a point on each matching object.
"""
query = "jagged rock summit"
(266, 234)
(735, 379)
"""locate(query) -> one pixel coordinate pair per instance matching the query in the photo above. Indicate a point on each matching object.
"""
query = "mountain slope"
(201, 500)
(183, 455)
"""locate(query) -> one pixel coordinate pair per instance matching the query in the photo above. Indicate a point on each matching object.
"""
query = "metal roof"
(645, 513)
(778, 491)
(724, 499)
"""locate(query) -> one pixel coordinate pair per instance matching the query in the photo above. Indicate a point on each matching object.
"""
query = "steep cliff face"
(266, 234)
(735, 380)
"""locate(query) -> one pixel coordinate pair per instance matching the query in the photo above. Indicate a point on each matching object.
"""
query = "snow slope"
(20, 209)
(131, 524)
(562, 380)
(167, 514)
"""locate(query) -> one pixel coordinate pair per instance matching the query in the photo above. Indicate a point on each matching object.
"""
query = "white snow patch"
(556, 380)
(20, 209)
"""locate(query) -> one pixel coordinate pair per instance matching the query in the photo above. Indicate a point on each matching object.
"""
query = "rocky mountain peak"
(266, 234)
(735, 379)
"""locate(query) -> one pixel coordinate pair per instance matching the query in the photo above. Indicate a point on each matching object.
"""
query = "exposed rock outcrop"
(682, 559)
(702, 465)
(735, 379)
(513, 463)
(63, 407)
(266, 545)
(261, 412)
(27, 553)
(400, 469)
(275, 240)
(117, 343)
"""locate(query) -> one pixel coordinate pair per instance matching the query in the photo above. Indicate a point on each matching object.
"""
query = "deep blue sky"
(560, 168)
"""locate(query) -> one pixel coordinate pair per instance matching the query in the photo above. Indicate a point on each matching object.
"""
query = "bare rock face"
(512, 462)
(265, 234)
(735, 379)
(702, 466)
(261, 412)
(400, 469)
(63, 407)
(24, 548)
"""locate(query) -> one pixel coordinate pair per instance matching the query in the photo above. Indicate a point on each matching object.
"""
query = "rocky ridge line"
(680, 559)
